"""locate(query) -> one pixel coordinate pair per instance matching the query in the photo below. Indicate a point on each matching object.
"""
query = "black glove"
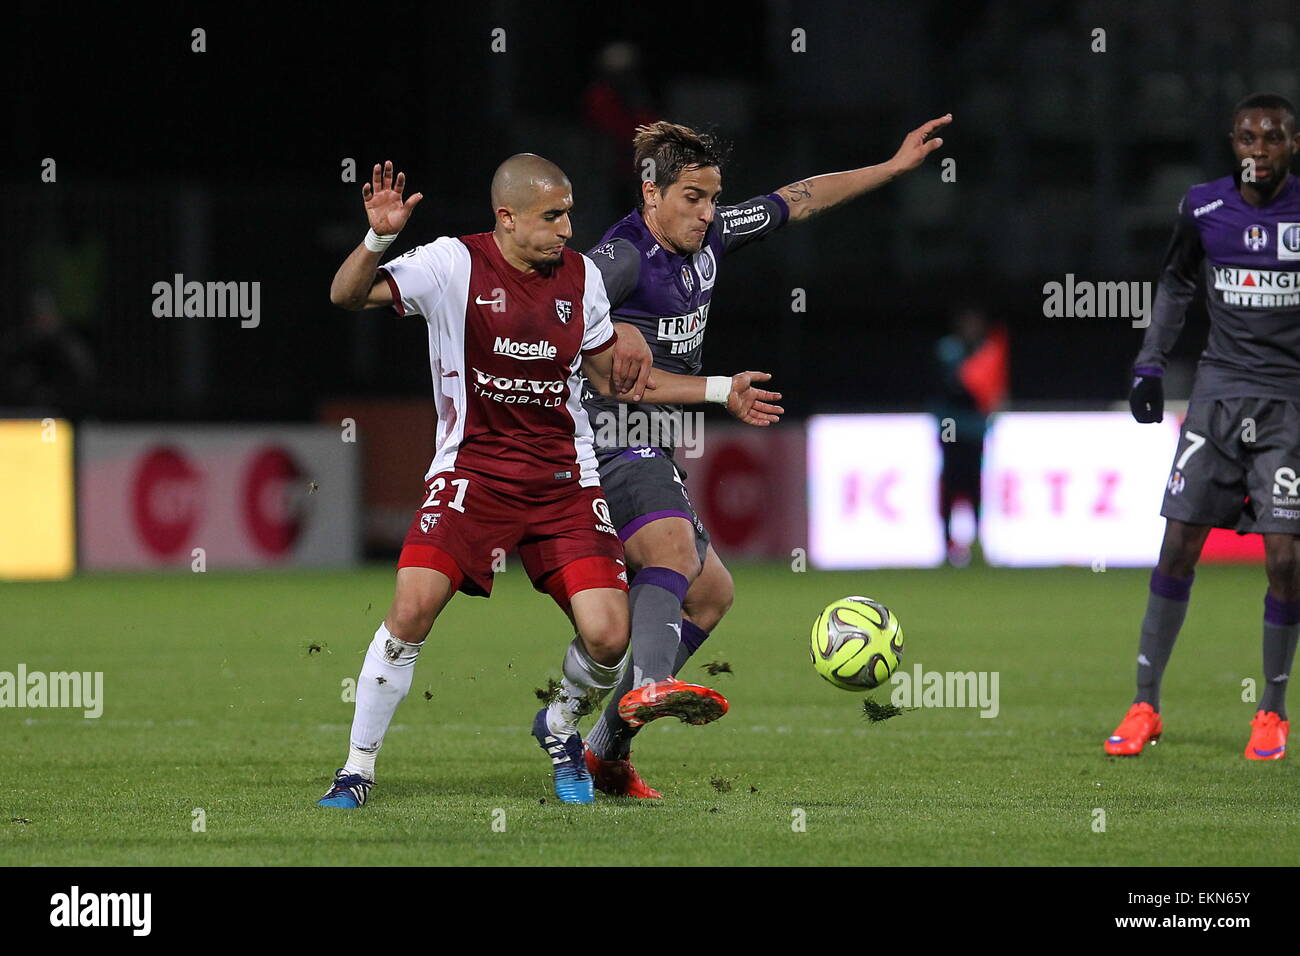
(1147, 400)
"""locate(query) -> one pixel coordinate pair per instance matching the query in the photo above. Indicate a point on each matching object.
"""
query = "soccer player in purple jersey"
(1238, 457)
(660, 264)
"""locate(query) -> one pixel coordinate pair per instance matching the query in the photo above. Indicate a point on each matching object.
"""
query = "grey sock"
(655, 600)
(1166, 608)
(1281, 630)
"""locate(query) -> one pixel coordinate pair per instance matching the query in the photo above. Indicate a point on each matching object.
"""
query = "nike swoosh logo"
(482, 301)
(450, 374)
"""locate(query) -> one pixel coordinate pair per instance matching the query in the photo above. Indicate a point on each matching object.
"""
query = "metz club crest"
(429, 521)
(563, 309)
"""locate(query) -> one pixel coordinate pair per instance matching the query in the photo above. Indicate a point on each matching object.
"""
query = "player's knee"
(1283, 569)
(606, 642)
(683, 560)
(412, 617)
(720, 596)
(1181, 550)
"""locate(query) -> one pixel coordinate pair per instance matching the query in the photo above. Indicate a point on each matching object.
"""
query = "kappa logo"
(606, 250)
(1255, 237)
(429, 521)
(1285, 482)
(563, 309)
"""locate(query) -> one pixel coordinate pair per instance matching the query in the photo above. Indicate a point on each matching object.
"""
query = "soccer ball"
(856, 643)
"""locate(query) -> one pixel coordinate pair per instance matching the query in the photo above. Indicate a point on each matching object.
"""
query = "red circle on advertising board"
(166, 499)
(733, 492)
(268, 504)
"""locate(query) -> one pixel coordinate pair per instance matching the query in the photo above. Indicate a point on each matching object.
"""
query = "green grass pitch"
(214, 701)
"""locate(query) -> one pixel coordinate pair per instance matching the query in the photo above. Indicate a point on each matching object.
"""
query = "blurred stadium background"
(167, 434)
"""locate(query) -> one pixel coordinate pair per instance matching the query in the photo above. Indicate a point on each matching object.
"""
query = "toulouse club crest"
(1255, 238)
(563, 309)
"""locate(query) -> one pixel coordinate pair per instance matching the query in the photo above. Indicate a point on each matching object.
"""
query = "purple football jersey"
(667, 296)
(1249, 258)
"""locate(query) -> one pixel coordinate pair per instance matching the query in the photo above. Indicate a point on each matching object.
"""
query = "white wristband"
(378, 243)
(717, 388)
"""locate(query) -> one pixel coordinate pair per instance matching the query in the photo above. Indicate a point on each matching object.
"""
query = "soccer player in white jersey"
(513, 317)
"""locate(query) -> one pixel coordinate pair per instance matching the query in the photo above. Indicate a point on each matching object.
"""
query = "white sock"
(385, 679)
(585, 684)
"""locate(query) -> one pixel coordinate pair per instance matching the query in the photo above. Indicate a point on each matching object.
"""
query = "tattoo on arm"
(796, 192)
(799, 196)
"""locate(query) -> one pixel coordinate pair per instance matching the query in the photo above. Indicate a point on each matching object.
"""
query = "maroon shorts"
(468, 522)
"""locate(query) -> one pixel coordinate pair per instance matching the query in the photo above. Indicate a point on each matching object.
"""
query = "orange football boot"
(619, 778)
(1140, 724)
(671, 697)
(1267, 736)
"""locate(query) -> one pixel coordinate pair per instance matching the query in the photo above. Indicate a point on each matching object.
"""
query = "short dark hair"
(671, 148)
(1265, 101)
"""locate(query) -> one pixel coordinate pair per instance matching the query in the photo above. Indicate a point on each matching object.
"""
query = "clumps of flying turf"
(875, 713)
(317, 647)
(428, 693)
(552, 692)
(720, 784)
(590, 701)
(718, 667)
(683, 705)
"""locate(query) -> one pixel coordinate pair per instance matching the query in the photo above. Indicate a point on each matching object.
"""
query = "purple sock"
(692, 637)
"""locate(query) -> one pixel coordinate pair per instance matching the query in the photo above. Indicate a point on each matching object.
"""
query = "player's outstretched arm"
(354, 287)
(808, 197)
(750, 404)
